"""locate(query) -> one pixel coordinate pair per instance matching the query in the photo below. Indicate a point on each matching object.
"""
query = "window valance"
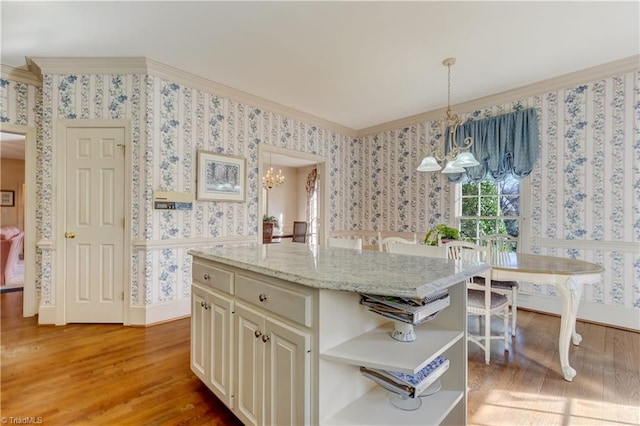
(505, 144)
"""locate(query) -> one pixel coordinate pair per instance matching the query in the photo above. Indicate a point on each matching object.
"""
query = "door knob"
(69, 235)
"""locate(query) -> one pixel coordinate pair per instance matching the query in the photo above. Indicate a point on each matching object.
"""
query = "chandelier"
(271, 180)
(456, 156)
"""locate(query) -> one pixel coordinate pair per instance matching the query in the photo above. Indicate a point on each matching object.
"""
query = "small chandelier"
(457, 157)
(271, 180)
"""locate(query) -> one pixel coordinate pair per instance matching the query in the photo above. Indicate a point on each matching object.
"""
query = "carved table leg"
(571, 294)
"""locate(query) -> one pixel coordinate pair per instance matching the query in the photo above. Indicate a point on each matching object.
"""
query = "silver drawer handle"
(206, 276)
(266, 338)
(262, 297)
(257, 333)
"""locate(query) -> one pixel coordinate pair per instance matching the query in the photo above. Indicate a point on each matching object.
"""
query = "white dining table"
(567, 275)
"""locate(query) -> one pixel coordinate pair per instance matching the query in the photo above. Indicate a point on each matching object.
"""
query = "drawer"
(287, 303)
(213, 277)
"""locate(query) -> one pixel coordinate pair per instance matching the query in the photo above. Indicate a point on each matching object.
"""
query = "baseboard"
(615, 316)
(47, 314)
(161, 312)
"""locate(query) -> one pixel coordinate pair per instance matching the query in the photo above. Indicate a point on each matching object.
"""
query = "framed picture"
(7, 198)
(220, 177)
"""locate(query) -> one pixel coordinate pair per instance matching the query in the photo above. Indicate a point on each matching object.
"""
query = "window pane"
(510, 206)
(489, 206)
(468, 228)
(487, 227)
(469, 206)
(470, 189)
(512, 227)
(509, 186)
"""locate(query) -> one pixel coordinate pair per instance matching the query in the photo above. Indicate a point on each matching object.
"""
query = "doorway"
(19, 151)
(277, 201)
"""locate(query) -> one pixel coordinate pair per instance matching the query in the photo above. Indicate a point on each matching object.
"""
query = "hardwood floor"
(96, 374)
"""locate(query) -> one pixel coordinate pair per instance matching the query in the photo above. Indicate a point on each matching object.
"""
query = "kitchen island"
(279, 335)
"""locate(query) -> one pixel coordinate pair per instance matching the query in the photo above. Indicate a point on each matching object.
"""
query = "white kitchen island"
(279, 335)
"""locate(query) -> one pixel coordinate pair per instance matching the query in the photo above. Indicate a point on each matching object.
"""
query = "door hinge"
(122, 295)
(123, 146)
(123, 222)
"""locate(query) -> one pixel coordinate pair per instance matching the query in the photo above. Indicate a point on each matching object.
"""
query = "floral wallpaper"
(586, 186)
(170, 122)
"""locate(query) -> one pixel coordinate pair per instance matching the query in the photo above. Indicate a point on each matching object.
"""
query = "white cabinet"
(211, 344)
(251, 344)
(272, 369)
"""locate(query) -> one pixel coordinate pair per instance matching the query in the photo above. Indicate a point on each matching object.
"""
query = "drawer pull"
(202, 303)
(263, 297)
(206, 276)
(257, 333)
(266, 338)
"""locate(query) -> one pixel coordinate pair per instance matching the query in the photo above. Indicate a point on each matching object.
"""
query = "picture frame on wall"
(220, 177)
(7, 198)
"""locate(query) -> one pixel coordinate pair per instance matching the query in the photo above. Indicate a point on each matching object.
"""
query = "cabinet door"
(287, 374)
(249, 365)
(200, 340)
(221, 329)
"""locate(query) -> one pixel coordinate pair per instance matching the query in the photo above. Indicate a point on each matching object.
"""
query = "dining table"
(567, 275)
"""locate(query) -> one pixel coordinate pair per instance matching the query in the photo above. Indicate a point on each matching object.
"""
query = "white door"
(95, 225)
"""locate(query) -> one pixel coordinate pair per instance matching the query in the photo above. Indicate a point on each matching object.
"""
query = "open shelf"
(377, 349)
(373, 408)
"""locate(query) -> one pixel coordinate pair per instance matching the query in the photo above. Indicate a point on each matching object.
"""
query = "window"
(489, 207)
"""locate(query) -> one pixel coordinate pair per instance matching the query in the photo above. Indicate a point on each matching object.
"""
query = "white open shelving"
(376, 349)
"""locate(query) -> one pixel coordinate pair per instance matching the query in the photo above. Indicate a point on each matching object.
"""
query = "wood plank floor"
(95, 374)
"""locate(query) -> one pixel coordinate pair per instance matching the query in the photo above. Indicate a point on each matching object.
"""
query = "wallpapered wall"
(585, 187)
(170, 122)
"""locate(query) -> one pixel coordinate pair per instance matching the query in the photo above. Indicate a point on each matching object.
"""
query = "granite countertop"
(343, 269)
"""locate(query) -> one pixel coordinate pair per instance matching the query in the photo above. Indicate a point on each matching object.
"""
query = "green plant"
(271, 219)
(440, 231)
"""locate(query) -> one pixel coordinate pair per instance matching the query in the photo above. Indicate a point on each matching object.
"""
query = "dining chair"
(348, 243)
(384, 243)
(481, 300)
(500, 245)
(299, 232)
(417, 250)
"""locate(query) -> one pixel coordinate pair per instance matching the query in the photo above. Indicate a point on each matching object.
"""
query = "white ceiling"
(357, 64)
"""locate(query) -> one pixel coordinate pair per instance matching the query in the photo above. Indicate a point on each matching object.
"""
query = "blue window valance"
(505, 144)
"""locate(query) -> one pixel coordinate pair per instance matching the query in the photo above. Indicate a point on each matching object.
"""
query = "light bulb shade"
(428, 164)
(466, 159)
(451, 167)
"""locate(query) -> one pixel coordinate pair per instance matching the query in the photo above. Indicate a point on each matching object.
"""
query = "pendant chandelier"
(271, 180)
(456, 157)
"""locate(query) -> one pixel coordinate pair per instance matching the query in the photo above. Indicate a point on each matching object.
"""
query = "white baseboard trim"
(47, 314)
(616, 316)
(161, 312)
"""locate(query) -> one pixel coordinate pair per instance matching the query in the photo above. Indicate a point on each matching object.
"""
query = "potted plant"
(271, 219)
(440, 232)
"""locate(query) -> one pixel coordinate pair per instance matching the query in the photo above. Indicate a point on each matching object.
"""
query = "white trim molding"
(619, 67)
(619, 246)
(141, 65)
(160, 312)
(190, 242)
(617, 316)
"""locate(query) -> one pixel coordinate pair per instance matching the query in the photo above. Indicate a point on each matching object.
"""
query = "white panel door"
(94, 225)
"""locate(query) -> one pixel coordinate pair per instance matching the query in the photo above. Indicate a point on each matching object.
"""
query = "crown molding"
(21, 75)
(142, 65)
(610, 69)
